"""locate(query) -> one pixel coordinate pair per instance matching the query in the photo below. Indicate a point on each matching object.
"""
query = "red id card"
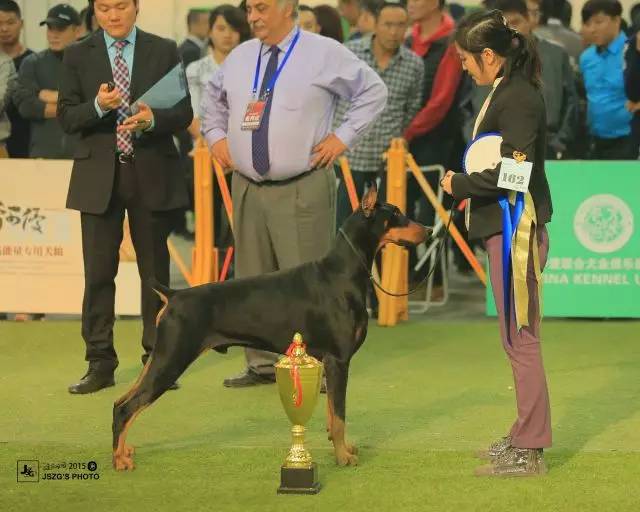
(253, 115)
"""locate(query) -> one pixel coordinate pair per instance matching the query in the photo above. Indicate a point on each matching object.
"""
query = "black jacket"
(632, 81)
(161, 180)
(517, 113)
(42, 70)
(189, 52)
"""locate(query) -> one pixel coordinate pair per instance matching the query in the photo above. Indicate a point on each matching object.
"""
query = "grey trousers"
(278, 226)
(532, 427)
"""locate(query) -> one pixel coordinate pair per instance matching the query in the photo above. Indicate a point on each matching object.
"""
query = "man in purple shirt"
(267, 114)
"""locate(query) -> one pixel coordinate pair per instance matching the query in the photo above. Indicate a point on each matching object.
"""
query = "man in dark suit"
(193, 46)
(123, 163)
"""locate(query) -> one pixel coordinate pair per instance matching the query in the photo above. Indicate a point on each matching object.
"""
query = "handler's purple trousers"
(532, 428)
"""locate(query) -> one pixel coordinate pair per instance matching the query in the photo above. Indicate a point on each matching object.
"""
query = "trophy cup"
(298, 376)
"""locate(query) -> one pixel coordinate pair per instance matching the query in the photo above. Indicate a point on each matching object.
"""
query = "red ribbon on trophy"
(295, 374)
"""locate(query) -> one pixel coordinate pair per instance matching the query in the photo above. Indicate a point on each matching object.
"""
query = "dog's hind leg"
(158, 375)
(329, 418)
(337, 374)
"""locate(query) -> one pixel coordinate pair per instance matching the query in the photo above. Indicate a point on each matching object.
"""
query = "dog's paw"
(345, 458)
(352, 449)
(123, 459)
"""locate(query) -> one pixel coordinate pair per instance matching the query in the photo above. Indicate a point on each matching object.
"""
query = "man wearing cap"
(124, 163)
(36, 92)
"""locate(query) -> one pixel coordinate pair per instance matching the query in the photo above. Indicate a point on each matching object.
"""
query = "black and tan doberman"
(324, 300)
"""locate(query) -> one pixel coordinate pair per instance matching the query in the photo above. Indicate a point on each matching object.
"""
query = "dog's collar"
(368, 271)
(356, 251)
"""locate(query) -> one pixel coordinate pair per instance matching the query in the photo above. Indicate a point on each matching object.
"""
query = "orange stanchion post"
(204, 259)
(182, 267)
(224, 191)
(348, 183)
(444, 215)
(209, 253)
(196, 251)
(394, 266)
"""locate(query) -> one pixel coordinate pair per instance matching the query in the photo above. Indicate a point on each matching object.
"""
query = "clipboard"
(166, 92)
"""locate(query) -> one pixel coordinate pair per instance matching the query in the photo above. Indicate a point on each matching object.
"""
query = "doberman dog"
(325, 300)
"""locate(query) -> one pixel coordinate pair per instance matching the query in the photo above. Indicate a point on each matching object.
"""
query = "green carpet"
(422, 398)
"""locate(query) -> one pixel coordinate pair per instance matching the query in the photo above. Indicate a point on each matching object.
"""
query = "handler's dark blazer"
(160, 177)
(517, 113)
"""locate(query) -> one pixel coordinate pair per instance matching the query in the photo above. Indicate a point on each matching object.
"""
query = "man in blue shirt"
(267, 114)
(603, 71)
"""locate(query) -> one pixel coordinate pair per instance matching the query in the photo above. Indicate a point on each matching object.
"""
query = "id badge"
(253, 116)
(515, 175)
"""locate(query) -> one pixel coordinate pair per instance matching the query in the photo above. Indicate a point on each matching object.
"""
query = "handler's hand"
(48, 96)
(326, 152)
(632, 107)
(141, 121)
(108, 100)
(445, 182)
(220, 151)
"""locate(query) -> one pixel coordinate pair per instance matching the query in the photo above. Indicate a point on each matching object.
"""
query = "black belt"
(276, 183)
(125, 158)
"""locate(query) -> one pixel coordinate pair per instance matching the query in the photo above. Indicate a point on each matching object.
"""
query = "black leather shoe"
(93, 381)
(248, 378)
(174, 386)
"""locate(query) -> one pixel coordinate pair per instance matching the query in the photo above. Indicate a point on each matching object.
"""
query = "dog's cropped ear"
(369, 199)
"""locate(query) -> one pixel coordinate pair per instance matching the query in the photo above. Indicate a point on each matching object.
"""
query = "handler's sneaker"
(515, 462)
(496, 449)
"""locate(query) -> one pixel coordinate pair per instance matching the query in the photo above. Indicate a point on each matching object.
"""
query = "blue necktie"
(260, 137)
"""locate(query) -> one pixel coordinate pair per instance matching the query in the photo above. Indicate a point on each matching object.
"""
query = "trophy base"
(299, 480)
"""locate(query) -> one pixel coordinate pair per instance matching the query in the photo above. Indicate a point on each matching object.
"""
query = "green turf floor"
(422, 397)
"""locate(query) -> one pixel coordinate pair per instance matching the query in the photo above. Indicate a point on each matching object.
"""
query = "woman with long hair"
(329, 20)
(493, 54)
(228, 28)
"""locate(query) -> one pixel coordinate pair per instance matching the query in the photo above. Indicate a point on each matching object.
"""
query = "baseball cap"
(62, 15)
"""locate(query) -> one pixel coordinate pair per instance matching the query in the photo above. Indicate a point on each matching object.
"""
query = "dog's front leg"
(337, 374)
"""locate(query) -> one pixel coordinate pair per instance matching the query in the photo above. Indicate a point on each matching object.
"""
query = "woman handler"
(494, 54)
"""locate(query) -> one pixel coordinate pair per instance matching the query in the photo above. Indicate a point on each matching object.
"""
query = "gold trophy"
(298, 376)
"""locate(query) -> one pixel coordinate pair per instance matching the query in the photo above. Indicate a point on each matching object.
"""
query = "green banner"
(593, 268)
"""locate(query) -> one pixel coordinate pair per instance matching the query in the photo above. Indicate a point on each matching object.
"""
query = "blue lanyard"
(272, 82)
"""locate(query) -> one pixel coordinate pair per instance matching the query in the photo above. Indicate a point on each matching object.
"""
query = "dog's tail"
(164, 292)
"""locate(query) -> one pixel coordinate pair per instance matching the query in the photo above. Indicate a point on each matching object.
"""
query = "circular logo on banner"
(603, 223)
